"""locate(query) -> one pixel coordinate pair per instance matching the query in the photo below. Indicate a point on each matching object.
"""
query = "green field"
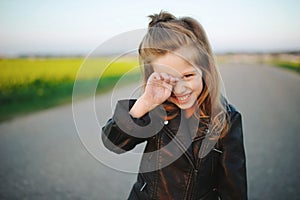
(28, 85)
(294, 66)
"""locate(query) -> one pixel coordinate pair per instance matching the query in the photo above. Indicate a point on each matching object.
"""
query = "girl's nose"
(179, 88)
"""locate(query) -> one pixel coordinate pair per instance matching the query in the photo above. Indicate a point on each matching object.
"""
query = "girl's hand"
(158, 89)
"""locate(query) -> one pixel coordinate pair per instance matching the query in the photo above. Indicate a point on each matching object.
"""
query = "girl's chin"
(185, 106)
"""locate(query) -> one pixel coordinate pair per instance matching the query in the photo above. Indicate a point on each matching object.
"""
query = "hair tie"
(161, 20)
(164, 20)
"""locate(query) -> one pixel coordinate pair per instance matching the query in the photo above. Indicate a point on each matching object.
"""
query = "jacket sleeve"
(123, 132)
(232, 173)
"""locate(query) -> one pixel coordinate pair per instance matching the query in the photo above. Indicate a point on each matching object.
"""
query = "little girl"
(194, 138)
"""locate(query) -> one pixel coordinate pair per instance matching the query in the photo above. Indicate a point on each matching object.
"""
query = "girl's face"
(189, 86)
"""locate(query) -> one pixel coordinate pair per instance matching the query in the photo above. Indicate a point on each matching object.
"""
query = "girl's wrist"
(141, 107)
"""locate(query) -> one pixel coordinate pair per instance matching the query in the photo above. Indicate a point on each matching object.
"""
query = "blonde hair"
(167, 34)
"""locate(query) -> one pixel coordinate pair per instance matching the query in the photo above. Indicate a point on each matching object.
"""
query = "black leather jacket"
(219, 174)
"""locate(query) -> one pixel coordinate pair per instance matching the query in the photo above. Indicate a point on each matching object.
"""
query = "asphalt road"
(45, 156)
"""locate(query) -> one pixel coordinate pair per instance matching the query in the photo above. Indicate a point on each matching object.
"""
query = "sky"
(78, 27)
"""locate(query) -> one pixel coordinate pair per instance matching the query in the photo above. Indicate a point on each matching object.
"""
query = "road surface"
(44, 156)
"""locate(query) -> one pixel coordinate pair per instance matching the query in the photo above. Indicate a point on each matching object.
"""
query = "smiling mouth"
(182, 98)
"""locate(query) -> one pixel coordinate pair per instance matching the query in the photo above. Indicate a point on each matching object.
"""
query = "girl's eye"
(188, 75)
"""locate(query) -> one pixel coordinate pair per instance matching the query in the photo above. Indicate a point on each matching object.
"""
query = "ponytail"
(161, 17)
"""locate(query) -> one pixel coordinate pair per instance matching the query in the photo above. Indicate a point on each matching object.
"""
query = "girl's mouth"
(182, 98)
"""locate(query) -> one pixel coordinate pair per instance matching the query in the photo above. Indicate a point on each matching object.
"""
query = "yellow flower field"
(28, 84)
(22, 71)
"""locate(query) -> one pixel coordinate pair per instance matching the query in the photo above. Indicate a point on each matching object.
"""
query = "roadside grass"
(28, 85)
(290, 65)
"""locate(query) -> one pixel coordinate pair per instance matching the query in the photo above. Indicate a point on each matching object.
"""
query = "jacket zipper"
(194, 178)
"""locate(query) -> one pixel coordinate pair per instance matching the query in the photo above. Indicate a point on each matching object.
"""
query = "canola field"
(29, 84)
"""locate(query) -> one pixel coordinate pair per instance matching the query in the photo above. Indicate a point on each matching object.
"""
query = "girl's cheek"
(198, 84)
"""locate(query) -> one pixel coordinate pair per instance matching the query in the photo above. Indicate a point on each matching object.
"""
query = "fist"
(159, 88)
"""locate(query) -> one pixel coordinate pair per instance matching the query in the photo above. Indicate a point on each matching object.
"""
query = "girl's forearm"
(141, 107)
